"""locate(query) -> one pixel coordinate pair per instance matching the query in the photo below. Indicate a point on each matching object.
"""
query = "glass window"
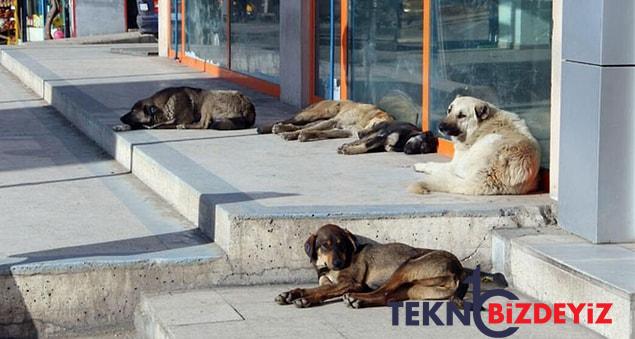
(322, 46)
(496, 50)
(175, 9)
(206, 32)
(255, 38)
(385, 55)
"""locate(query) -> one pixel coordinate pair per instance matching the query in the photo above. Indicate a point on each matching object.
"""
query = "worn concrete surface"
(250, 312)
(555, 266)
(81, 237)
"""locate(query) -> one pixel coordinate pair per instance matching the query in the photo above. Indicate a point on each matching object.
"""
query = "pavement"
(251, 313)
(56, 183)
(77, 228)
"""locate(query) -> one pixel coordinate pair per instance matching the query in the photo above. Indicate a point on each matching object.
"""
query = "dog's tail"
(497, 278)
(418, 188)
(265, 129)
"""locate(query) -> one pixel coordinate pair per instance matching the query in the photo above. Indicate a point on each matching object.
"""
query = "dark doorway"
(131, 9)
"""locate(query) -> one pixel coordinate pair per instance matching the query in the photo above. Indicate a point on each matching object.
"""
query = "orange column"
(344, 49)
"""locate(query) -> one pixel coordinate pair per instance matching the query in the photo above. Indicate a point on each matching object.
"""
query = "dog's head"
(464, 116)
(332, 247)
(143, 113)
(421, 143)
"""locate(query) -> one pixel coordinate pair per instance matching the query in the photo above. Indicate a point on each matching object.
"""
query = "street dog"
(377, 274)
(494, 153)
(190, 108)
(328, 119)
(394, 136)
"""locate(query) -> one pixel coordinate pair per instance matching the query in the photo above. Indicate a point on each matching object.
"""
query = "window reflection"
(497, 50)
(206, 33)
(322, 48)
(255, 38)
(385, 56)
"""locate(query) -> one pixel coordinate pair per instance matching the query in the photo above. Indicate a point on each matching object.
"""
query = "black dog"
(392, 136)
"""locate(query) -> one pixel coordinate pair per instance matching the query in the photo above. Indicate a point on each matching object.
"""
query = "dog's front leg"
(165, 123)
(320, 294)
(312, 296)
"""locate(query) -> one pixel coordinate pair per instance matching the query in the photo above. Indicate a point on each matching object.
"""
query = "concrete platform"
(249, 312)
(259, 197)
(554, 266)
(80, 236)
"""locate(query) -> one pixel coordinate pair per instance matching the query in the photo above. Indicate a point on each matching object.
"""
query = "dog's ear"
(353, 239)
(482, 111)
(309, 248)
(151, 110)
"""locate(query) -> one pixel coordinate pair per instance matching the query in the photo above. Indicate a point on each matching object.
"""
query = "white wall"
(556, 73)
(164, 27)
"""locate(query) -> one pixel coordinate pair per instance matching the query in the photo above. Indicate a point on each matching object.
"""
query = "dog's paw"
(304, 136)
(181, 126)
(121, 128)
(344, 149)
(302, 303)
(418, 188)
(286, 298)
(351, 301)
(277, 128)
(283, 299)
(288, 136)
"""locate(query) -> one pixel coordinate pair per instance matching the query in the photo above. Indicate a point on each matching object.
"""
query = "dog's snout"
(125, 118)
(449, 129)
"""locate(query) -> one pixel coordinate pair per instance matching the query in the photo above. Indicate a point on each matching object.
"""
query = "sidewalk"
(251, 313)
(76, 228)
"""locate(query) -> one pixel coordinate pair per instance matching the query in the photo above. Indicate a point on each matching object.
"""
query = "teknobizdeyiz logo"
(425, 313)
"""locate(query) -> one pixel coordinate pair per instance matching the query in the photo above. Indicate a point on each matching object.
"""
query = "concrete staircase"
(258, 197)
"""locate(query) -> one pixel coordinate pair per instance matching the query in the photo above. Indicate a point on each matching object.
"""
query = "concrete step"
(259, 197)
(249, 312)
(555, 267)
(75, 295)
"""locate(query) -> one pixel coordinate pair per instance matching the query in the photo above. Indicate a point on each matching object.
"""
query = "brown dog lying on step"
(394, 136)
(328, 119)
(190, 108)
(377, 274)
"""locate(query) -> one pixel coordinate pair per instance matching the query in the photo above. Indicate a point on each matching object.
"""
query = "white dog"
(494, 153)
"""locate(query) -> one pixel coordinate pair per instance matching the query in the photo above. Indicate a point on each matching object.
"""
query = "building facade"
(537, 58)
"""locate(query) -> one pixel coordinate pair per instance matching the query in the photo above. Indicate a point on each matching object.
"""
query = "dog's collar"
(322, 271)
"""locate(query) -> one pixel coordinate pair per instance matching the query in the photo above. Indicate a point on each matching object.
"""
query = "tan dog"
(377, 274)
(494, 153)
(328, 119)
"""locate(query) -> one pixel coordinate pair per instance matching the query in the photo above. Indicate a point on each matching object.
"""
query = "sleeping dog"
(392, 136)
(328, 119)
(377, 274)
(190, 108)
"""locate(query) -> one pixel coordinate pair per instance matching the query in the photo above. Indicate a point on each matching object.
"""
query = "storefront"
(410, 57)
(33, 16)
(9, 22)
